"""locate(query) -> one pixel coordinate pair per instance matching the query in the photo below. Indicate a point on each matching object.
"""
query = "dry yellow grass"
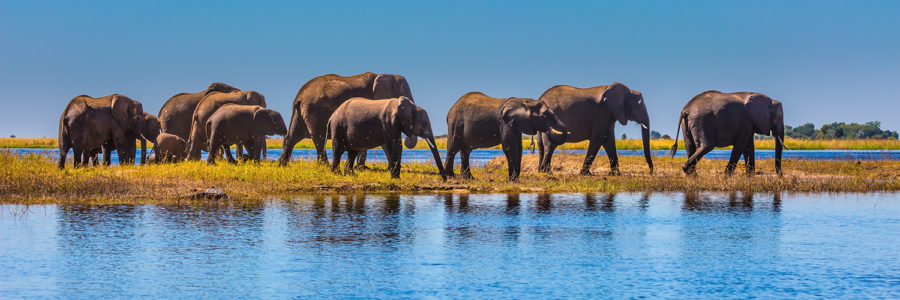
(35, 179)
(630, 144)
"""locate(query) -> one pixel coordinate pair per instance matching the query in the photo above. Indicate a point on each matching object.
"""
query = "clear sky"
(825, 60)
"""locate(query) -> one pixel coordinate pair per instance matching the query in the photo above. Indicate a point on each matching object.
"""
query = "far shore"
(626, 144)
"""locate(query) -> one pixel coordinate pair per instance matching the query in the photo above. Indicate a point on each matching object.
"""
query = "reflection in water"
(716, 245)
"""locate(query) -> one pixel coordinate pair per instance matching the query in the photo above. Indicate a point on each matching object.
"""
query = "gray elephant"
(88, 123)
(360, 124)
(169, 148)
(591, 114)
(246, 124)
(150, 129)
(479, 121)
(175, 115)
(210, 103)
(321, 96)
(715, 119)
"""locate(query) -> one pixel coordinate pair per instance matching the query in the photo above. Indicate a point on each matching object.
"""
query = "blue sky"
(825, 60)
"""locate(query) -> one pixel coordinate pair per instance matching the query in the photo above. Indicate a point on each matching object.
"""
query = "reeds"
(34, 178)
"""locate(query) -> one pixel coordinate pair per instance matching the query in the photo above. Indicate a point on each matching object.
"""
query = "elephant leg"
(107, 156)
(239, 151)
(227, 150)
(63, 151)
(86, 158)
(351, 158)
(540, 146)
(610, 147)
(337, 151)
(214, 147)
(76, 157)
(749, 158)
(393, 152)
(361, 163)
(690, 166)
(547, 149)
(690, 147)
(464, 170)
(593, 148)
(513, 162)
(450, 160)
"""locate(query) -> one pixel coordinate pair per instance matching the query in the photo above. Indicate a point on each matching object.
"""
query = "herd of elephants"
(368, 110)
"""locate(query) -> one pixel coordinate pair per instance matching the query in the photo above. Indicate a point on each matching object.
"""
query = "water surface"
(462, 246)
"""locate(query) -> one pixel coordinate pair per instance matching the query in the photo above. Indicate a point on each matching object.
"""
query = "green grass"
(34, 178)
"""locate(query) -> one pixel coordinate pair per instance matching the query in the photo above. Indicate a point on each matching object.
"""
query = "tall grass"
(34, 178)
(629, 144)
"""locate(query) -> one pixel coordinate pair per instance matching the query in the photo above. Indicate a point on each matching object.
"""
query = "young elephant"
(149, 130)
(245, 124)
(169, 148)
(480, 121)
(715, 119)
(360, 124)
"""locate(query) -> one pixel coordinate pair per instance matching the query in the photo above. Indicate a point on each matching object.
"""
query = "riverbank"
(628, 144)
(34, 178)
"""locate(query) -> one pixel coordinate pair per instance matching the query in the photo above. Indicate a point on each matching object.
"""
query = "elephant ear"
(759, 108)
(404, 115)
(517, 116)
(125, 111)
(614, 99)
(384, 86)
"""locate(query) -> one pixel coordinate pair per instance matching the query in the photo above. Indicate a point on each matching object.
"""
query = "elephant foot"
(614, 172)
(585, 172)
(362, 167)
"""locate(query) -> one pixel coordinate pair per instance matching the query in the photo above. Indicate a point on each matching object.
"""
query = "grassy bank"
(630, 144)
(35, 179)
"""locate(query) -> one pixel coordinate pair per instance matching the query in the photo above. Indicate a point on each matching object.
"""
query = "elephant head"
(387, 86)
(129, 114)
(269, 122)
(255, 98)
(414, 122)
(150, 127)
(531, 116)
(626, 105)
(767, 117)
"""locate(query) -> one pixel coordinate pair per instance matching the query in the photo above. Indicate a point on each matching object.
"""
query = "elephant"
(210, 103)
(321, 96)
(716, 119)
(175, 115)
(150, 129)
(591, 114)
(169, 148)
(360, 124)
(88, 123)
(478, 121)
(246, 124)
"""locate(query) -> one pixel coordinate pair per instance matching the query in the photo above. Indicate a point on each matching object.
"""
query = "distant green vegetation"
(840, 131)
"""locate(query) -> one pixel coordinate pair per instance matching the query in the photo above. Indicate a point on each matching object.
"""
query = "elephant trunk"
(645, 137)
(557, 138)
(779, 145)
(143, 151)
(437, 156)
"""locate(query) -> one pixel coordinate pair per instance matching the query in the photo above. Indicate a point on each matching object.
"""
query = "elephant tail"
(677, 131)
(328, 129)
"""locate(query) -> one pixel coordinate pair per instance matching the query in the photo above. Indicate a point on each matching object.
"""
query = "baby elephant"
(245, 124)
(169, 148)
(360, 124)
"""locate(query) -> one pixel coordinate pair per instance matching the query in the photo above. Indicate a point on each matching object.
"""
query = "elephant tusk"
(555, 131)
(644, 126)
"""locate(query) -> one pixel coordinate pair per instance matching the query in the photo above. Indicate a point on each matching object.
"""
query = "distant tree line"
(840, 130)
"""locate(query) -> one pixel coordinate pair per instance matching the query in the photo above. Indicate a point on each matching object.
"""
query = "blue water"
(694, 246)
(480, 157)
